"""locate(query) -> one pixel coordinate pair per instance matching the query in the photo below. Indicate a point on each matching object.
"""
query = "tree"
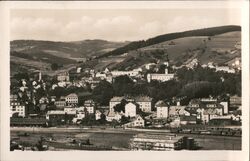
(121, 106)
(124, 119)
(123, 85)
(54, 66)
(103, 92)
(103, 118)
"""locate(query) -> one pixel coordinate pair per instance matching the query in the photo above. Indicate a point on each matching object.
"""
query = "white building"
(160, 77)
(130, 110)
(162, 109)
(17, 107)
(225, 107)
(98, 115)
(131, 73)
(113, 116)
(225, 69)
(138, 121)
(72, 98)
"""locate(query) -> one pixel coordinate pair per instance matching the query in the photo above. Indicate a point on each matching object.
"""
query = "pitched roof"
(72, 95)
(161, 103)
(173, 110)
(188, 118)
(116, 99)
(143, 99)
(210, 111)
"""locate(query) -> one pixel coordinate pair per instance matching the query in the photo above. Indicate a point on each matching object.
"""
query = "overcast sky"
(114, 25)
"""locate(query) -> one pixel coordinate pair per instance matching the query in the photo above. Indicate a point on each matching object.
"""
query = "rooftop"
(143, 99)
(116, 99)
(161, 103)
(72, 95)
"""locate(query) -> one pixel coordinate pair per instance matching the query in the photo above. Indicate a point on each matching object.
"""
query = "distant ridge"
(166, 37)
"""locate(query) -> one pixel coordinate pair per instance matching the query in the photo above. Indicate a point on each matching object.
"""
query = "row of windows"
(14, 103)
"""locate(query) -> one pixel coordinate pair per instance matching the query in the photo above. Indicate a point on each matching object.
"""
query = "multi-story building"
(17, 108)
(130, 110)
(160, 77)
(71, 99)
(90, 106)
(131, 73)
(162, 109)
(144, 102)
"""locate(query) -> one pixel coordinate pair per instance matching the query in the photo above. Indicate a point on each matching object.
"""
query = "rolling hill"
(32, 55)
(218, 44)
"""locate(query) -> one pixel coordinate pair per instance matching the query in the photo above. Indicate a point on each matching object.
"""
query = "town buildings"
(144, 102)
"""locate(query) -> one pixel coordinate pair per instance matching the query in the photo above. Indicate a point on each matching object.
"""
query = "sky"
(113, 25)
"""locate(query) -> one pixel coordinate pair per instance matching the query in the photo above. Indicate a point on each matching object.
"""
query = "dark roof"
(188, 118)
(28, 121)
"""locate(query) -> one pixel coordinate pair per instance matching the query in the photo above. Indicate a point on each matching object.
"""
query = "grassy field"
(119, 139)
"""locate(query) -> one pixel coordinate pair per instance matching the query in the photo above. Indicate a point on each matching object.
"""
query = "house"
(144, 102)
(113, 116)
(63, 77)
(206, 114)
(130, 110)
(162, 109)
(137, 121)
(178, 111)
(43, 100)
(60, 103)
(90, 106)
(98, 114)
(89, 103)
(17, 108)
(71, 99)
